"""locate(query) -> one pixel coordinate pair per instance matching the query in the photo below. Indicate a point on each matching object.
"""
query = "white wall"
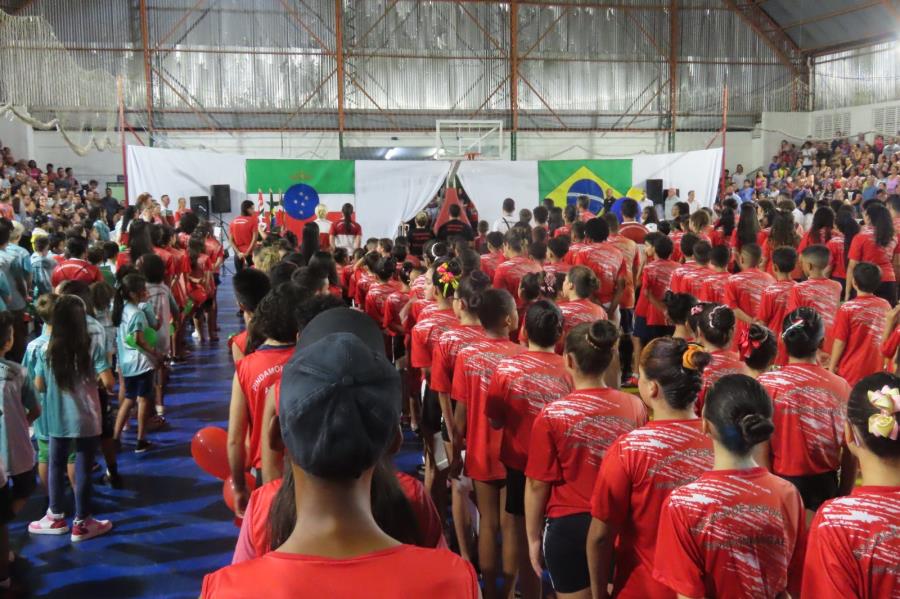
(18, 137)
(777, 126)
(861, 119)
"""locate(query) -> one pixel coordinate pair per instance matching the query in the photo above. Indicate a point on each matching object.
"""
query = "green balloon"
(150, 337)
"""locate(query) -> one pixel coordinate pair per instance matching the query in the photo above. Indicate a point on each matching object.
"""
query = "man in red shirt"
(584, 212)
(686, 242)
(243, 232)
(817, 292)
(338, 416)
(773, 304)
(494, 257)
(76, 268)
(651, 320)
(630, 228)
(508, 275)
(714, 285)
(743, 291)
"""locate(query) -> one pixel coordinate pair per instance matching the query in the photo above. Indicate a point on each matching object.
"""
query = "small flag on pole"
(260, 202)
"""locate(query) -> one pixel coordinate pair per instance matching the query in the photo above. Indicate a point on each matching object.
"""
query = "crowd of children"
(764, 386)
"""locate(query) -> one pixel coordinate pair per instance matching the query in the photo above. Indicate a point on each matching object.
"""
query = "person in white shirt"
(738, 177)
(693, 202)
(671, 200)
(506, 222)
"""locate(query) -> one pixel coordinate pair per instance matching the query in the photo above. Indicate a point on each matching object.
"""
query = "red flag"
(260, 202)
(450, 197)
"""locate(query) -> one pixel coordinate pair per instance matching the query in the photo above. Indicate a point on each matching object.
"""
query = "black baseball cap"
(340, 396)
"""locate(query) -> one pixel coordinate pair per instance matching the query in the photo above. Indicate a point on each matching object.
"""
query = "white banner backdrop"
(391, 192)
(489, 182)
(184, 173)
(698, 171)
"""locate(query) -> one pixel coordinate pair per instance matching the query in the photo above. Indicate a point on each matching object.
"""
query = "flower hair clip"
(696, 310)
(884, 423)
(687, 358)
(548, 286)
(448, 279)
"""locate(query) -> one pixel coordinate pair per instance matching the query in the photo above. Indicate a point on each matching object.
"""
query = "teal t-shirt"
(19, 398)
(102, 230)
(34, 349)
(71, 414)
(133, 362)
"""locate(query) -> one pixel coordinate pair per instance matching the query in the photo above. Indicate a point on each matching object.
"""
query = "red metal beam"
(546, 32)
(778, 41)
(490, 95)
(185, 100)
(308, 98)
(478, 24)
(543, 101)
(178, 24)
(339, 55)
(384, 14)
(645, 33)
(148, 80)
(305, 27)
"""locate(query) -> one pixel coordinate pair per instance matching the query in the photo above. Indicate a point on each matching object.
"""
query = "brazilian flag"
(564, 180)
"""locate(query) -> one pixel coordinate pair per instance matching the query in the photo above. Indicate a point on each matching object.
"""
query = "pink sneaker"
(50, 524)
(89, 528)
(82, 530)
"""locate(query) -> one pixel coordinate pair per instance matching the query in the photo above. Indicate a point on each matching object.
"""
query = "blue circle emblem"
(589, 188)
(300, 201)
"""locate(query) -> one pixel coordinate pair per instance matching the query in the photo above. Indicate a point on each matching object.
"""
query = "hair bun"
(602, 335)
(756, 428)
(757, 332)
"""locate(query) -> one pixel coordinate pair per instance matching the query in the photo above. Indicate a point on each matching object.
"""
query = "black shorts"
(647, 333)
(515, 492)
(398, 348)
(564, 542)
(107, 418)
(217, 278)
(888, 291)
(139, 386)
(626, 320)
(6, 501)
(23, 485)
(431, 411)
(815, 489)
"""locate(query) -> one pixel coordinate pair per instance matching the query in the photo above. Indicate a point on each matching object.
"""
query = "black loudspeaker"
(221, 198)
(200, 206)
(655, 190)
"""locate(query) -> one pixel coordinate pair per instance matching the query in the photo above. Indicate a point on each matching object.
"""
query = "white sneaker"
(89, 528)
(50, 524)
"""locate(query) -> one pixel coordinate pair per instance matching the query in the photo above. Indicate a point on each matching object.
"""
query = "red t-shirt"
(608, 263)
(732, 533)
(632, 255)
(810, 410)
(677, 284)
(889, 348)
(490, 262)
(772, 310)
(443, 357)
(853, 546)
(553, 268)
(426, 333)
(75, 269)
(257, 373)
(563, 230)
(239, 339)
(586, 215)
(723, 363)
(637, 474)
(376, 297)
(574, 248)
(519, 390)
(393, 305)
(578, 312)
(242, 229)
(569, 440)
(676, 236)
(863, 248)
(744, 290)
(168, 259)
(475, 363)
(215, 251)
(656, 280)
(714, 287)
(823, 295)
(363, 281)
(509, 274)
(695, 282)
(860, 325)
(835, 247)
(636, 232)
(402, 571)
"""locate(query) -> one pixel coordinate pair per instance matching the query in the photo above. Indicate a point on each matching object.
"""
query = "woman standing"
(345, 233)
(876, 243)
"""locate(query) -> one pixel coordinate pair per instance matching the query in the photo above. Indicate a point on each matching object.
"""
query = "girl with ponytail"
(346, 233)
(709, 527)
(807, 445)
(852, 545)
(136, 355)
(472, 370)
(569, 438)
(714, 326)
(876, 243)
(641, 468)
(520, 387)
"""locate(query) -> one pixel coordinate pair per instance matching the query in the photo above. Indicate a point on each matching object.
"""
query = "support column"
(513, 75)
(339, 57)
(148, 84)
(674, 33)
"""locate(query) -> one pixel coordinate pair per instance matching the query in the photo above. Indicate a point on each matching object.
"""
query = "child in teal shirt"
(137, 357)
(66, 372)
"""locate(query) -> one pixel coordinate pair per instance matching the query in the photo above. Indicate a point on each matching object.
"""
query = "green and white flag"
(329, 182)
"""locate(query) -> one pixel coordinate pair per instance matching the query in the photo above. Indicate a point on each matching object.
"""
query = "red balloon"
(228, 490)
(209, 447)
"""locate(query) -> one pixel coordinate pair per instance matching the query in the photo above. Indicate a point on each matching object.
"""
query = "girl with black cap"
(807, 445)
(568, 440)
(641, 468)
(853, 542)
(520, 387)
(472, 371)
(737, 531)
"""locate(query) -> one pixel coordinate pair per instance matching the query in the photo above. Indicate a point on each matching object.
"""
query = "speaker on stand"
(200, 206)
(221, 204)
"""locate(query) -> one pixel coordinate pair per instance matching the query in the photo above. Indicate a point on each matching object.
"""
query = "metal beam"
(145, 43)
(674, 38)
(831, 15)
(178, 24)
(514, 62)
(778, 41)
(339, 55)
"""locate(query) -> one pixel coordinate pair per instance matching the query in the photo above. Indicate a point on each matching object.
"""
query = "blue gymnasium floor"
(171, 526)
